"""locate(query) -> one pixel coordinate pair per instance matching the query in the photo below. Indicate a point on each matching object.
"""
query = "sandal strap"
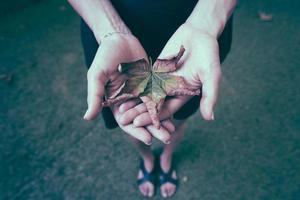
(147, 176)
(166, 177)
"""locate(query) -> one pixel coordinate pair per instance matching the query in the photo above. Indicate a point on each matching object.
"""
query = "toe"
(168, 192)
(171, 191)
(151, 191)
(164, 192)
(150, 194)
(143, 190)
(147, 190)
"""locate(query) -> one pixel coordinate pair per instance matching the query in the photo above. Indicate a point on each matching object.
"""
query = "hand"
(113, 50)
(144, 134)
(200, 66)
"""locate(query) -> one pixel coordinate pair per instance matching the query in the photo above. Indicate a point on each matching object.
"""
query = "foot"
(147, 187)
(168, 187)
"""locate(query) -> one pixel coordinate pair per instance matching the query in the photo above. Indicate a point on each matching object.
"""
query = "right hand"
(114, 50)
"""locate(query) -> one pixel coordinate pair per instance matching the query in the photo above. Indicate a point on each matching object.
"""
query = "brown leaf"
(265, 17)
(6, 77)
(150, 83)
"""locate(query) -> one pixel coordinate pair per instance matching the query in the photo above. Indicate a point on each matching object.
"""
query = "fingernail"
(121, 110)
(212, 116)
(84, 117)
(148, 143)
(150, 194)
(167, 141)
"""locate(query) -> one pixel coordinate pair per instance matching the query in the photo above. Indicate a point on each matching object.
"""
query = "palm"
(200, 56)
(200, 66)
(104, 69)
(115, 50)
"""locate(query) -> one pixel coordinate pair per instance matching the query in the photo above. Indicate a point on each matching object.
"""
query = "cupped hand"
(200, 66)
(114, 50)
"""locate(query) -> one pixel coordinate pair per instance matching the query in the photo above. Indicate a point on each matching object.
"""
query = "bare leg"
(147, 188)
(168, 189)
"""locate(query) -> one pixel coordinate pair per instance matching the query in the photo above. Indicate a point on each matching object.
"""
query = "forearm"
(212, 15)
(100, 16)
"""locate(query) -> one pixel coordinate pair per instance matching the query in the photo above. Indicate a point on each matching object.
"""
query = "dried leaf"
(6, 77)
(150, 83)
(265, 17)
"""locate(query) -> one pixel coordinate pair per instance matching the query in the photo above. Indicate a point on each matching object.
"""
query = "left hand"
(146, 133)
(200, 66)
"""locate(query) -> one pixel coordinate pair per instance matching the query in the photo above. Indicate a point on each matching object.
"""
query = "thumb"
(96, 83)
(210, 90)
(170, 50)
(97, 78)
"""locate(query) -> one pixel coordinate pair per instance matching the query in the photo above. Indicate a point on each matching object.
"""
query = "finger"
(128, 105)
(132, 113)
(168, 109)
(168, 125)
(170, 50)
(97, 79)
(139, 133)
(210, 89)
(161, 133)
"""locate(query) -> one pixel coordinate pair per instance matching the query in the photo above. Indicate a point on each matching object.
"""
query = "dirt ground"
(250, 152)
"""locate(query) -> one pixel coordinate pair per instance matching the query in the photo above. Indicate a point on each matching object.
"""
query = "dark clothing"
(153, 23)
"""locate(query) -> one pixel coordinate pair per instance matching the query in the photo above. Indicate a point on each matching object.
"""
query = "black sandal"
(147, 176)
(166, 177)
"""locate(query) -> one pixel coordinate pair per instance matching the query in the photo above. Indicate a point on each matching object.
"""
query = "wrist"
(101, 34)
(122, 41)
(203, 28)
(108, 22)
(109, 34)
(211, 15)
(212, 25)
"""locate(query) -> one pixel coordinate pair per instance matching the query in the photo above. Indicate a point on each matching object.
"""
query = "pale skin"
(200, 66)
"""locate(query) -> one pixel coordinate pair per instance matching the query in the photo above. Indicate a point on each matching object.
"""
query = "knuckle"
(169, 126)
(167, 114)
(122, 120)
(139, 121)
(99, 75)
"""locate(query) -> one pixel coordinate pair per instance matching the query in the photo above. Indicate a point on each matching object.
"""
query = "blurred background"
(251, 151)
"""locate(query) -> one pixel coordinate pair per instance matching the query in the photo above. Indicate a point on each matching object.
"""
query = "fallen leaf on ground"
(6, 77)
(150, 83)
(264, 16)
